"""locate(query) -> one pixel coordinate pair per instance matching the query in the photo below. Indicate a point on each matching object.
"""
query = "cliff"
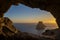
(40, 26)
(6, 27)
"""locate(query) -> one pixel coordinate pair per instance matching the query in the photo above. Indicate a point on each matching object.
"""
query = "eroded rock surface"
(6, 27)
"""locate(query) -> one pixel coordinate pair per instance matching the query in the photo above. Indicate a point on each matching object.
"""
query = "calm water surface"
(31, 27)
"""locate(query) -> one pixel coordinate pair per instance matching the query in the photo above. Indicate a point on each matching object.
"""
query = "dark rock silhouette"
(23, 36)
(49, 32)
(40, 26)
(55, 33)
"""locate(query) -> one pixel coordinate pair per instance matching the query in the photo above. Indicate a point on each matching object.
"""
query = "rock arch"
(52, 6)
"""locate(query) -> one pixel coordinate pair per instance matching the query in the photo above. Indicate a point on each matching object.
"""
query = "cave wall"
(52, 6)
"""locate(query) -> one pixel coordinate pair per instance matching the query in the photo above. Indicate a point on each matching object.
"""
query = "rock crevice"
(6, 27)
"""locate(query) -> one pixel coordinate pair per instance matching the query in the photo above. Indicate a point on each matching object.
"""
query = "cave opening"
(24, 14)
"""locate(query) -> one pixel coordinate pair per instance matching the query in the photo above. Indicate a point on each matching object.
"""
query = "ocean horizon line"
(36, 23)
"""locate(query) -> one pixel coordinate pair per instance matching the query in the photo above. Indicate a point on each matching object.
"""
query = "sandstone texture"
(6, 27)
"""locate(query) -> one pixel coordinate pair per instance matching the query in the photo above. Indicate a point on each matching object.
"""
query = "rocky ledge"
(9, 32)
(23, 36)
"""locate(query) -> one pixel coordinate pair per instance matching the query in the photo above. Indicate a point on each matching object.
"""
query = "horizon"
(37, 23)
(24, 14)
(48, 25)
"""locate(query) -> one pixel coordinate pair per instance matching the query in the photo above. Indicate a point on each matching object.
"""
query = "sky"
(24, 14)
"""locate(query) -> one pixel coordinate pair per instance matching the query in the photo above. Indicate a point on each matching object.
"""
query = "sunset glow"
(24, 14)
(32, 21)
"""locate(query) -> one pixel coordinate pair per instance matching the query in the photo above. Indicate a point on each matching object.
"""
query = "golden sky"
(33, 20)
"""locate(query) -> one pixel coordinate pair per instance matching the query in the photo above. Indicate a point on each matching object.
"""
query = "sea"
(31, 27)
